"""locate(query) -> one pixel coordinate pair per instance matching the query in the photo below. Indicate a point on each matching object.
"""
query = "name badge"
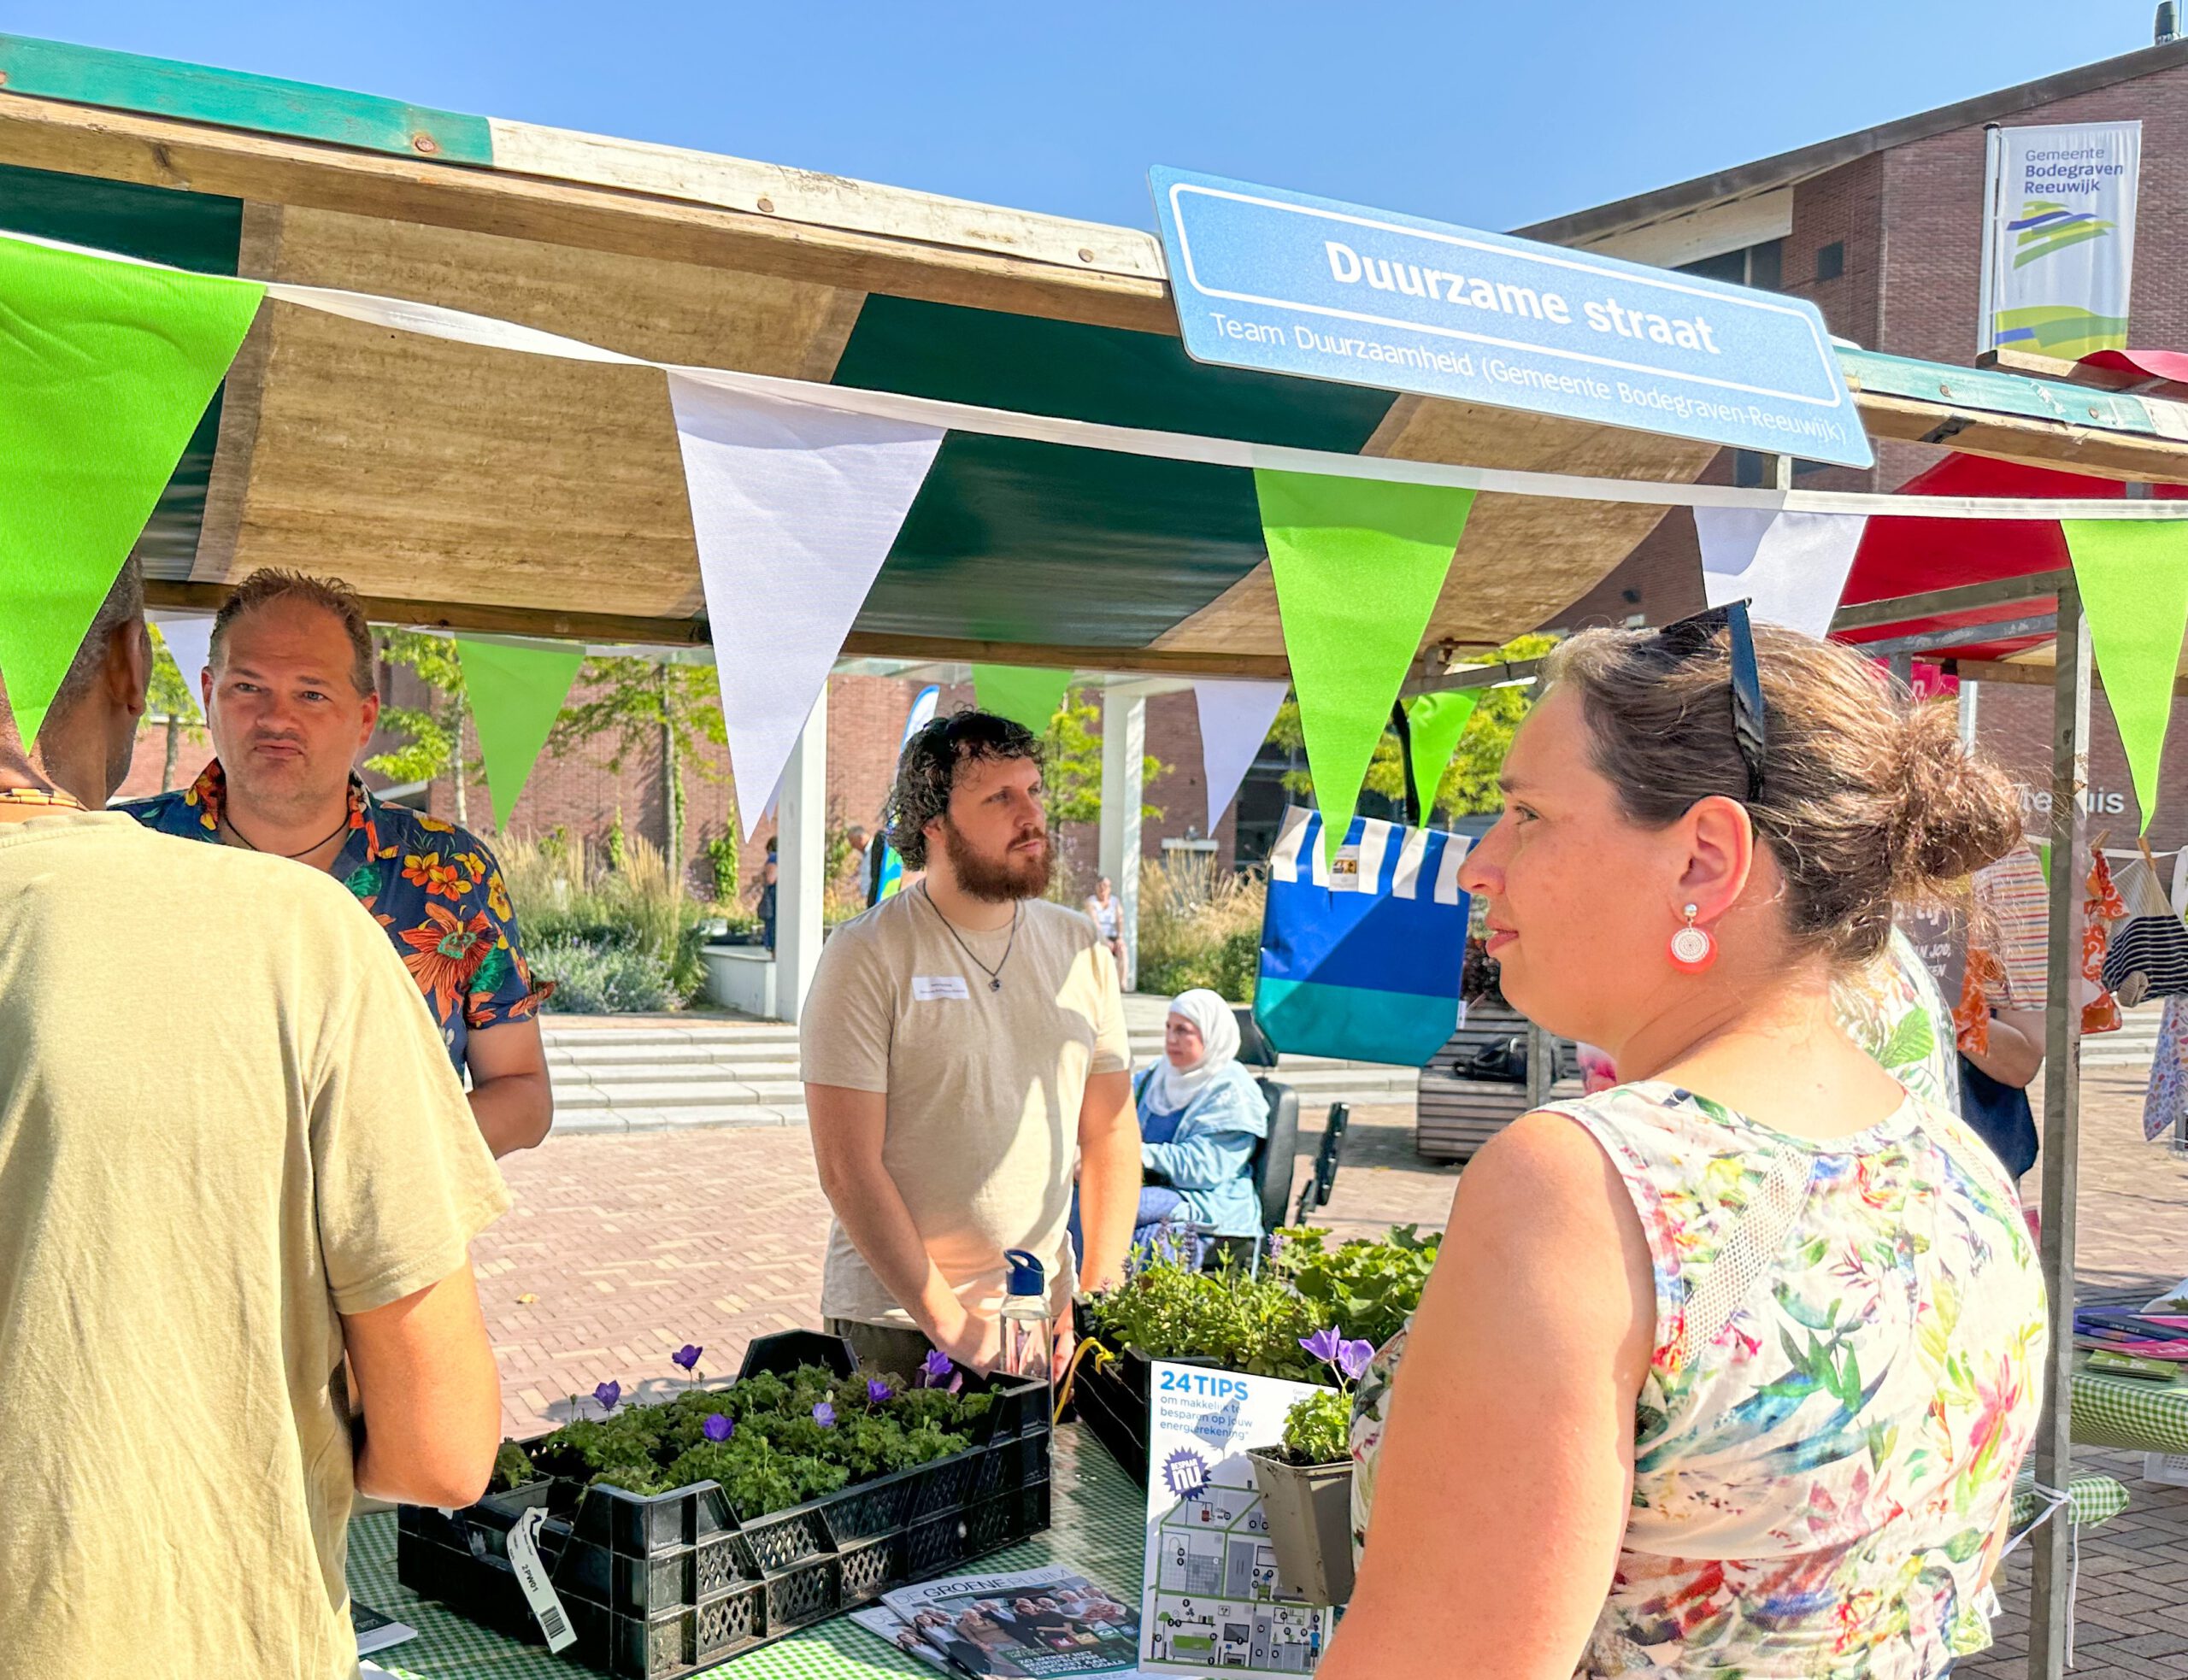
(927, 988)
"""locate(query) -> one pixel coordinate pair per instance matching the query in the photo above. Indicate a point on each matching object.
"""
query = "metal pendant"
(995, 983)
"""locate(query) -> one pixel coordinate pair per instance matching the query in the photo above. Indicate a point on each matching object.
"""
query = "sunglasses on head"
(1694, 638)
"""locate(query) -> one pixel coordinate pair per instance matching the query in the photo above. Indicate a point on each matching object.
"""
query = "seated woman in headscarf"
(1201, 1118)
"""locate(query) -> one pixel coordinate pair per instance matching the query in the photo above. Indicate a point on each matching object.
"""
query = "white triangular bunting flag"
(189, 637)
(1792, 567)
(1235, 715)
(795, 508)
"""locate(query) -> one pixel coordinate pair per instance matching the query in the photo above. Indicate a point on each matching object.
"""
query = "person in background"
(1999, 1022)
(1107, 915)
(238, 1185)
(1621, 1434)
(963, 1049)
(770, 877)
(291, 701)
(1201, 1118)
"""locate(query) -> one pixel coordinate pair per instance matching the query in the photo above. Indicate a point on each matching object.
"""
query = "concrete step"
(2133, 1046)
(684, 1094)
(586, 1121)
(627, 1072)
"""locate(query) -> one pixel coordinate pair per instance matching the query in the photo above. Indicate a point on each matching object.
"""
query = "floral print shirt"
(1849, 1337)
(1895, 1011)
(432, 885)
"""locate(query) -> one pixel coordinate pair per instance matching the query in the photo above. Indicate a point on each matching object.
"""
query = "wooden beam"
(2070, 372)
(1171, 661)
(2112, 455)
(455, 615)
(576, 626)
(1962, 598)
(2026, 675)
(159, 151)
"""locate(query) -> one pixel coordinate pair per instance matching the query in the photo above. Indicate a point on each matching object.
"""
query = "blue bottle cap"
(1027, 1275)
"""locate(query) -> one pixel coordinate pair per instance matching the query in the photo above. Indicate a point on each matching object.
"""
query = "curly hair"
(927, 770)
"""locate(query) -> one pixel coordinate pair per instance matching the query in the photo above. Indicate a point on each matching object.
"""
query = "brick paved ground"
(620, 1249)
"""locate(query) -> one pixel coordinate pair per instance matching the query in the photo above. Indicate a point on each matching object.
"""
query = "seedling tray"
(659, 1586)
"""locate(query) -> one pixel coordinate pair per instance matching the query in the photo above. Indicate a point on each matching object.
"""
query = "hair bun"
(1956, 811)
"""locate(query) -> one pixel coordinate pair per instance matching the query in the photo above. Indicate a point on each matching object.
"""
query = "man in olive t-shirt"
(964, 1054)
(232, 1151)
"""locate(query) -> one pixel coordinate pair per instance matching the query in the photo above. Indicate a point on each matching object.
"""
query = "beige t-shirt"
(984, 1085)
(224, 1118)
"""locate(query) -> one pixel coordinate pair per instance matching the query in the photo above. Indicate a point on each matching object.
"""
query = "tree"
(434, 731)
(1074, 775)
(1470, 784)
(640, 703)
(170, 697)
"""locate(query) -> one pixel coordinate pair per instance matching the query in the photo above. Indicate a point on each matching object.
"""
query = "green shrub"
(1200, 925)
(597, 975)
(615, 939)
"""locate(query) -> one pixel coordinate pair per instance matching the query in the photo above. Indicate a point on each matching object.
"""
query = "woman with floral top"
(1725, 1372)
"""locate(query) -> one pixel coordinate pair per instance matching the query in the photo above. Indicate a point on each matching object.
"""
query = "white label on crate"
(532, 1575)
(1344, 870)
(930, 987)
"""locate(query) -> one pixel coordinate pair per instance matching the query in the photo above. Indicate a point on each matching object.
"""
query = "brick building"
(1883, 230)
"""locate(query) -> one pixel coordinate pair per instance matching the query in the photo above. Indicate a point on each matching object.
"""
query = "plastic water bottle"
(1028, 1349)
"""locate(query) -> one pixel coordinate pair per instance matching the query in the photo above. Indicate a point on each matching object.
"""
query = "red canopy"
(1910, 556)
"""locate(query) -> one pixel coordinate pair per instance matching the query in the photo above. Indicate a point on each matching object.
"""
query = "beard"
(996, 880)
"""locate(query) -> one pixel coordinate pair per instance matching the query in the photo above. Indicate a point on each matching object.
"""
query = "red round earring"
(1692, 948)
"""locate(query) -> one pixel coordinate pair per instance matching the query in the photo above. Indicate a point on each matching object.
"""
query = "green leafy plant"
(771, 1440)
(1367, 1288)
(1360, 1291)
(659, 709)
(1318, 1429)
(171, 698)
(722, 862)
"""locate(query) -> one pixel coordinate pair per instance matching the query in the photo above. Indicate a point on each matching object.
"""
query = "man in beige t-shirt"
(232, 1151)
(964, 1056)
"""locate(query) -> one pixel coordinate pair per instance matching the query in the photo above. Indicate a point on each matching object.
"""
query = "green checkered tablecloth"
(2092, 1500)
(2128, 1414)
(1099, 1524)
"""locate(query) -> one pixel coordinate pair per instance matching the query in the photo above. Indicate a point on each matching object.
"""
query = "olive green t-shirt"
(224, 1120)
(983, 1084)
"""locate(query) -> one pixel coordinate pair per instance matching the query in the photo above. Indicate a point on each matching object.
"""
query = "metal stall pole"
(2050, 1609)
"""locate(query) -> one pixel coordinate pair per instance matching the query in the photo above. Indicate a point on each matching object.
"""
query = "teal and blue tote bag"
(1362, 960)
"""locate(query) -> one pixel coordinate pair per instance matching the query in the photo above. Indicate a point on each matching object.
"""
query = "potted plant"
(1306, 1483)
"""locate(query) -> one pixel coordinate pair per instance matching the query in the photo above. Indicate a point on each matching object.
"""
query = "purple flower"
(934, 1368)
(876, 1391)
(825, 1415)
(608, 1394)
(718, 1427)
(1352, 1359)
(956, 1382)
(1275, 1243)
(687, 1356)
(1322, 1344)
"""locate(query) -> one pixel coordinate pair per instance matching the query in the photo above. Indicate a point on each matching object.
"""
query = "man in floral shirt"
(290, 701)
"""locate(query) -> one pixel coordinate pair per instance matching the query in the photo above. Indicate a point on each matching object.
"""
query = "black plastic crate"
(657, 1586)
(1111, 1395)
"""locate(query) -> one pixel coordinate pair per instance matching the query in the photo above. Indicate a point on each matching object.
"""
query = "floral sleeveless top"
(1849, 1339)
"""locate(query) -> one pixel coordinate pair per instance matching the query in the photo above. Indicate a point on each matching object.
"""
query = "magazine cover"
(1035, 1623)
(1211, 1601)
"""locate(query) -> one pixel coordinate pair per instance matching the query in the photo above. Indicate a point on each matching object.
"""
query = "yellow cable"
(1102, 1356)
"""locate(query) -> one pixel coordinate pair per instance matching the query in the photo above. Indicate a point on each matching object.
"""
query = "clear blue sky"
(1490, 115)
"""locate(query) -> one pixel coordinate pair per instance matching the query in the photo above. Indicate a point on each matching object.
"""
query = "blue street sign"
(1290, 283)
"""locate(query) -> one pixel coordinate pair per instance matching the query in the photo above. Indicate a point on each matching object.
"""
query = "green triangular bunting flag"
(1022, 693)
(2133, 578)
(104, 370)
(516, 690)
(1437, 721)
(1358, 565)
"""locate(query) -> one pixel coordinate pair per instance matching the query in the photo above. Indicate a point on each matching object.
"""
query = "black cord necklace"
(994, 974)
(307, 851)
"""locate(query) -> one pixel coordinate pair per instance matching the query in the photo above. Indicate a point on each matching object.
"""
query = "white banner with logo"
(2059, 238)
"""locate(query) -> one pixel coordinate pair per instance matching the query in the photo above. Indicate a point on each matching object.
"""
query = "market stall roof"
(457, 485)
